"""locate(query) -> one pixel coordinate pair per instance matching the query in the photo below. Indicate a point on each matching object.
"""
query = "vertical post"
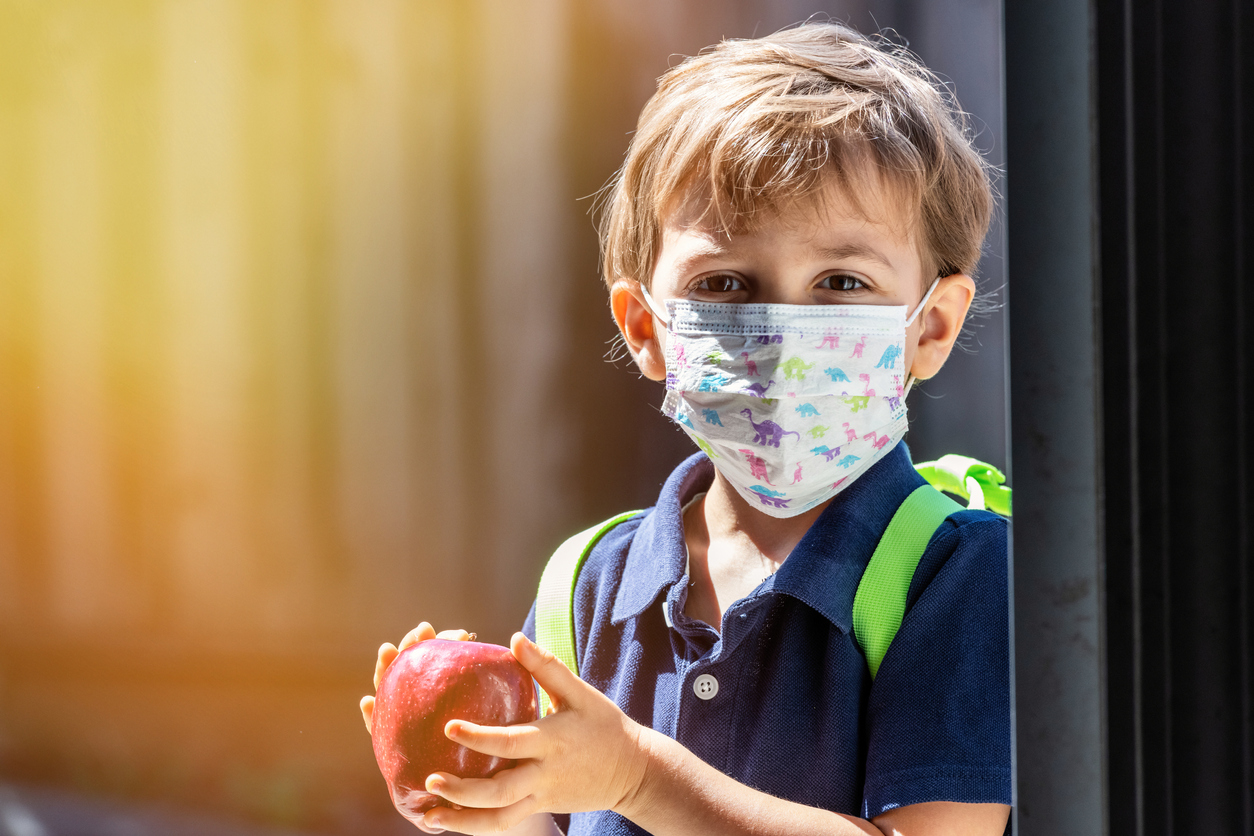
(1056, 418)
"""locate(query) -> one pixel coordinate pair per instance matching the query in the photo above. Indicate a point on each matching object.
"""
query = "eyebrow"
(854, 250)
(837, 253)
(704, 253)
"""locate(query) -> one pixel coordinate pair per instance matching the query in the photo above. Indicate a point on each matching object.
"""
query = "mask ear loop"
(653, 307)
(910, 321)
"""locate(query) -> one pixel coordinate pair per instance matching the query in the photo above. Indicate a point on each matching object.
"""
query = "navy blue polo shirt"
(794, 712)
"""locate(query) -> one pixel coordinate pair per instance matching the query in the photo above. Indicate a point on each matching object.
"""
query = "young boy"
(788, 246)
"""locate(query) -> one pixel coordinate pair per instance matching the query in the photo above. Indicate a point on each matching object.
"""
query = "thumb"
(562, 686)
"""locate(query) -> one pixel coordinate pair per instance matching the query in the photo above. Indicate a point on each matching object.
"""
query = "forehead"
(833, 217)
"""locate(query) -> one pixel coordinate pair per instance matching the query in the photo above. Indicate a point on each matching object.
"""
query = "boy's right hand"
(389, 651)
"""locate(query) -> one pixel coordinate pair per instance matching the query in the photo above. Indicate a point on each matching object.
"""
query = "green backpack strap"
(555, 600)
(973, 480)
(880, 601)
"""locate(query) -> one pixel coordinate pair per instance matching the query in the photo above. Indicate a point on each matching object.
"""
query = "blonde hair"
(748, 125)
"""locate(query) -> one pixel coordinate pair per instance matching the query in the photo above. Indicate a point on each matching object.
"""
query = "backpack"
(879, 604)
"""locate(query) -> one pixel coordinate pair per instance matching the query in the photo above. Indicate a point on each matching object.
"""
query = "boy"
(800, 211)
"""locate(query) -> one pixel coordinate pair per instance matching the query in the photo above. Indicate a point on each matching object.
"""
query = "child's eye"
(720, 284)
(842, 281)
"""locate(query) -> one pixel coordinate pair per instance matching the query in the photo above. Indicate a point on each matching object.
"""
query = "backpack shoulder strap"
(981, 484)
(880, 601)
(555, 600)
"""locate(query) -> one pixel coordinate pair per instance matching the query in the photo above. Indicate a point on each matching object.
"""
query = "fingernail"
(436, 787)
(432, 820)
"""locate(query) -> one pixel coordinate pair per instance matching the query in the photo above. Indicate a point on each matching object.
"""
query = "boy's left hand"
(586, 755)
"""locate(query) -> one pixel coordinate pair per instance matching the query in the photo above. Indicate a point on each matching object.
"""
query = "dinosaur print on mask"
(773, 498)
(757, 466)
(767, 432)
(712, 383)
(807, 410)
(750, 367)
(826, 452)
(794, 368)
(830, 340)
(888, 360)
(759, 387)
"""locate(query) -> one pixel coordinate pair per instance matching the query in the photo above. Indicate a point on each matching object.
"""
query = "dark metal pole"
(1056, 418)
(1132, 370)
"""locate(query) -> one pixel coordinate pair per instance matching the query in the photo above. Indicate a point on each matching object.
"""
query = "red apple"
(427, 685)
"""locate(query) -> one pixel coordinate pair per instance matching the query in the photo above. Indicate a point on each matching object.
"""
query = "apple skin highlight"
(427, 685)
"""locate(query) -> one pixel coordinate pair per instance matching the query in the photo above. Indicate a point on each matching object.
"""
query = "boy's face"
(825, 251)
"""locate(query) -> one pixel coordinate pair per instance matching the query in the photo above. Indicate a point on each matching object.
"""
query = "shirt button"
(705, 686)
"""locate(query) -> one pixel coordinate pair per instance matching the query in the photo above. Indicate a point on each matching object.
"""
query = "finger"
(471, 820)
(455, 635)
(420, 633)
(562, 686)
(509, 786)
(367, 710)
(511, 742)
(387, 652)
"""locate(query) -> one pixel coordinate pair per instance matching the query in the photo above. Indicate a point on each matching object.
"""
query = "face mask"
(792, 403)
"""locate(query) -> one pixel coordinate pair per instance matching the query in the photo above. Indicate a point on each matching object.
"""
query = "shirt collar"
(658, 555)
(824, 569)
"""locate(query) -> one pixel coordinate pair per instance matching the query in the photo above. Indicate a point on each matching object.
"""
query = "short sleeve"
(939, 710)
(529, 625)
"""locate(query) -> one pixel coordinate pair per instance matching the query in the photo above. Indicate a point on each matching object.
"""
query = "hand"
(389, 651)
(586, 755)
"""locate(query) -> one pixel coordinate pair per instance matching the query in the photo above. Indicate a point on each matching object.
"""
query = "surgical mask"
(792, 403)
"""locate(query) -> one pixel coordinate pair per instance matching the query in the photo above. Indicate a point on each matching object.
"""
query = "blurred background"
(303, 341)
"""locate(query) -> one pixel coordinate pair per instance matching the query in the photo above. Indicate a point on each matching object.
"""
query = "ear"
(940, 323)
(635, 321)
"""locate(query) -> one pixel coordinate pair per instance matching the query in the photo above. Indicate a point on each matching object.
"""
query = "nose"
(782, 292)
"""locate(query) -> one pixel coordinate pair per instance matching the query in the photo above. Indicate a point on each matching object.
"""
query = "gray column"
(1056, 421)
